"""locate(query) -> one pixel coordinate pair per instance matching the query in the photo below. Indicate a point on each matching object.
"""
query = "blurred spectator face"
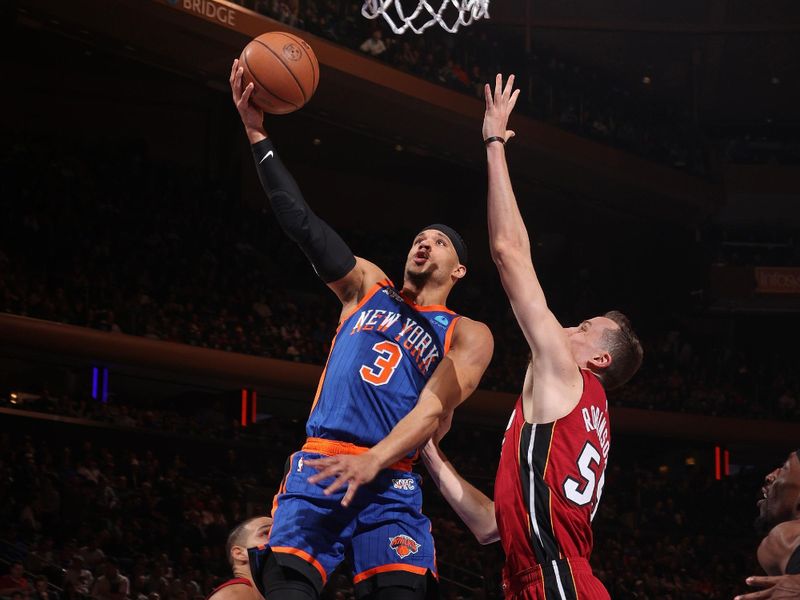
(111, 570)
(780, 495)
(16, 570)
(377, 35)
(41, 585)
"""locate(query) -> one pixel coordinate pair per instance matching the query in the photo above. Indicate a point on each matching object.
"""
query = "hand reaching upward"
(499, 105)
(252, 117)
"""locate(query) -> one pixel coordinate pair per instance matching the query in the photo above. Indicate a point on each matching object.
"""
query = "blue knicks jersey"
(381, 357)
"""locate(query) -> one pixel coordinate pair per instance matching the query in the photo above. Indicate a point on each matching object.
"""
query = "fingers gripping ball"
(283, 69)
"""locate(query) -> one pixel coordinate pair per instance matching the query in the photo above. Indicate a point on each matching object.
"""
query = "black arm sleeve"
(793, 566)
(329, 254)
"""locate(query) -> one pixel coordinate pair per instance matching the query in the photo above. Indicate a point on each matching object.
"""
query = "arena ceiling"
(736, 61)
(736, 64)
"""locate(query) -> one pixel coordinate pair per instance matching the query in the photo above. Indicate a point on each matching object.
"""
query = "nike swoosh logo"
(266, 156)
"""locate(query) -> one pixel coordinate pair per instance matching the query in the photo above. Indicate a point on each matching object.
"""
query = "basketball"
(283, 69)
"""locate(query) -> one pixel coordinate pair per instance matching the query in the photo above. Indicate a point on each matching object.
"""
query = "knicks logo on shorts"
(406, 484)
(404, 545)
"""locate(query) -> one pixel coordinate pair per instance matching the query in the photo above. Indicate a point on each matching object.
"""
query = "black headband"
(455, 238)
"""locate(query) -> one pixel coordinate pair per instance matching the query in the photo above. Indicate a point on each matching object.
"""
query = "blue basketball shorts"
(383, 531)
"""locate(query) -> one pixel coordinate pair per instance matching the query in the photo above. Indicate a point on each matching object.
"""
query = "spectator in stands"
(15, 581)
(111, 585)
(374, 45)
(42, 591)
(77, 577)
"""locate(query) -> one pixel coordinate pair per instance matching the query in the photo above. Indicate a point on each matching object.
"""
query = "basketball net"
(450, 15)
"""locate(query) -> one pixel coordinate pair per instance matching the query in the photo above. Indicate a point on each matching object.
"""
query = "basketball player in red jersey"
(400, 363)
(246, 534)
(779, 522)
(553, 458)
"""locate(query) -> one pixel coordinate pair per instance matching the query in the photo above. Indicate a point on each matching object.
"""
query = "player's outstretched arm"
(511, 252)
(473, 506)
(349, 277)
(453, 381)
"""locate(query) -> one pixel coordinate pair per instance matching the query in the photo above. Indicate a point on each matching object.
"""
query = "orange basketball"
(284, 70)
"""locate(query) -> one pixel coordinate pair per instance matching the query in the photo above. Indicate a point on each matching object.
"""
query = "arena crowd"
(211, 282)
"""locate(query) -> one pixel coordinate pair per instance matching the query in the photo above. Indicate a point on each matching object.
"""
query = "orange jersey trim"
(281, 489)
(392, 567)
(372, 291)
(332, 448)
(427, 307)
(549, 448)
(305, 556)
(574, 585)
(322, 377)
(541, 581)
(448, 337)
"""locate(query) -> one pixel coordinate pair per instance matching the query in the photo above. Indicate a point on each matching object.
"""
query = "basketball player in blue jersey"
(400, 363)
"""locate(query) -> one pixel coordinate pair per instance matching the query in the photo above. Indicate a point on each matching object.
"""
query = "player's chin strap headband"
(455, 238)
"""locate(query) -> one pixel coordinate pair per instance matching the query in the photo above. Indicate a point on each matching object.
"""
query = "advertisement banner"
(220, 12)
(777, 280)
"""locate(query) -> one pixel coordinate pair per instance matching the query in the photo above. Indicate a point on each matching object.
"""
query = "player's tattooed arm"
(453, 381)
(473, 506)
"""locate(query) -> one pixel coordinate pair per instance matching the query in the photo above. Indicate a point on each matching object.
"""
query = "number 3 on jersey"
(583, 492)
(381, 371)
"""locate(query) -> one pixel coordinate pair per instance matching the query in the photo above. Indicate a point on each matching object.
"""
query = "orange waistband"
(332, 447)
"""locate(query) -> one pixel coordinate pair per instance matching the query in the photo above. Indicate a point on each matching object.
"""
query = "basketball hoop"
(450, 15)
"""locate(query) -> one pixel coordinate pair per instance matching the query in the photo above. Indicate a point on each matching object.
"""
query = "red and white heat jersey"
(548, 487)
(235, 581)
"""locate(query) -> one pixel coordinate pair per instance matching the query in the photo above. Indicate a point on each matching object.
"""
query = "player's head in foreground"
(247, 534)
(437, 258)
(607, 346)
(780, 495)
